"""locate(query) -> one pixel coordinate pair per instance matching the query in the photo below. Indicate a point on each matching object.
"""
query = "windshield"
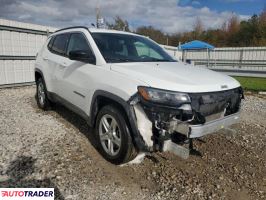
(129, 48)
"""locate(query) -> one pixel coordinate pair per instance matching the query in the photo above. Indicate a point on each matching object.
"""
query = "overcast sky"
(168, 15)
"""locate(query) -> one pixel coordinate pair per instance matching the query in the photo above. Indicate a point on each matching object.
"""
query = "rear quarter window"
(50, 44)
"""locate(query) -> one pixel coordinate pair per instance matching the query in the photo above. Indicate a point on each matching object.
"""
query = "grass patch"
(252, 83)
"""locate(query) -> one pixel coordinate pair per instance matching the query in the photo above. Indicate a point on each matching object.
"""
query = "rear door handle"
(45, 58)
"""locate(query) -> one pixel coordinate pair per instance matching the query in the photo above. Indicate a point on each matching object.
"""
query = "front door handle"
(63, 65)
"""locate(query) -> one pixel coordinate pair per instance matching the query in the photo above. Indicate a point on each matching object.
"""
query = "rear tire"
(41, 95)
(113, 136)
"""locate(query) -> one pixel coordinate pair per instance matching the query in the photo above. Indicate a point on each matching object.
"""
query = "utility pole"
(97, 16)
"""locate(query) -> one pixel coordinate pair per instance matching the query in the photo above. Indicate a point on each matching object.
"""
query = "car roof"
(92, 30)
(98, 30)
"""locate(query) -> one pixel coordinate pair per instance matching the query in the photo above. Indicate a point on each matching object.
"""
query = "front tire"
(41, 95)
(113, 136)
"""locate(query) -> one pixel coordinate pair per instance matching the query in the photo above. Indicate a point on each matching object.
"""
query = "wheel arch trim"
(129, 111)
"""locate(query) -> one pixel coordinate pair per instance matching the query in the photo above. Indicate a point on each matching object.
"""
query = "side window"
(60, 43)
(78, 42)
(51, 43)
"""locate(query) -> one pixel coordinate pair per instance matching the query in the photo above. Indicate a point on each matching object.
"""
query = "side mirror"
(83, 56)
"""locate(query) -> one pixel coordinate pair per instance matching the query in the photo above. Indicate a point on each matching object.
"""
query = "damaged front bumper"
(213, 126)
(166, 128)
(196, 131)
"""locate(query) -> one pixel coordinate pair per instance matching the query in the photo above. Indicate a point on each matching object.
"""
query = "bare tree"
(198, 28)
(263, 16)
(119, 24)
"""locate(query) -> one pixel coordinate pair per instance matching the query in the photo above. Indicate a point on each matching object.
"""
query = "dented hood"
(176, 76)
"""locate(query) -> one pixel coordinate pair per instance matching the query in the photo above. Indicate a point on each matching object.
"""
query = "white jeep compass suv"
(135, 96)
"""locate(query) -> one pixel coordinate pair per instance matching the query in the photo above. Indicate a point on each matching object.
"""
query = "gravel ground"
(56, 149)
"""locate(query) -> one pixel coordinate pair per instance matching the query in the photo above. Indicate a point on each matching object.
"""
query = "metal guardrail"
(229, 60)
(240, 71)
(234, 69)
(244, 73)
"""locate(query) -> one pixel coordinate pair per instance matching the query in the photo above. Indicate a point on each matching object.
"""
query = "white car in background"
(136, 96)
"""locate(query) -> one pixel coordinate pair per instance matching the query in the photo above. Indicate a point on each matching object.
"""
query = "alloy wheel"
(110, 136)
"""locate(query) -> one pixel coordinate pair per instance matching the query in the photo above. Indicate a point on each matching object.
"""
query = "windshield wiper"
(159, 60)
(132, 60)
(118, 59)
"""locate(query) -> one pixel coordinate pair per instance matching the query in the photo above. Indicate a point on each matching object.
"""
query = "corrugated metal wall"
(230, 54)
(19, 44)
(242, 61)
(16, 71)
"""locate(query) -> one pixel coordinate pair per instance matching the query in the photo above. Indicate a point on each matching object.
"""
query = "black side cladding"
(205, 104)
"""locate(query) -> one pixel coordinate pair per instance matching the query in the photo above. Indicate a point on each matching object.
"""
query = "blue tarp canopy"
(196, 44)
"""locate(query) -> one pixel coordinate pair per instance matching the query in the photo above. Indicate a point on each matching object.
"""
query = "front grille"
(206, 104)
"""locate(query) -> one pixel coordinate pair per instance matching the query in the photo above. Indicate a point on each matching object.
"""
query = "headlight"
(163, 96)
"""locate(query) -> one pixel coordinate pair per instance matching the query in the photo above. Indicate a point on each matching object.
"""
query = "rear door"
(47, 65)
(54, 57)
(58, 60)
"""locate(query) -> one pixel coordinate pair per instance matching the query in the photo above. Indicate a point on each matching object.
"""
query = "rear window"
(60, 43)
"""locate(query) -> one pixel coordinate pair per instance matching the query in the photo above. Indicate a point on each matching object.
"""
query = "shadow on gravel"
(17, 172)
(72, 118)
(76, 121)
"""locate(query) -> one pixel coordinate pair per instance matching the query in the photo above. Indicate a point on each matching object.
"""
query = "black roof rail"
(72, 28)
